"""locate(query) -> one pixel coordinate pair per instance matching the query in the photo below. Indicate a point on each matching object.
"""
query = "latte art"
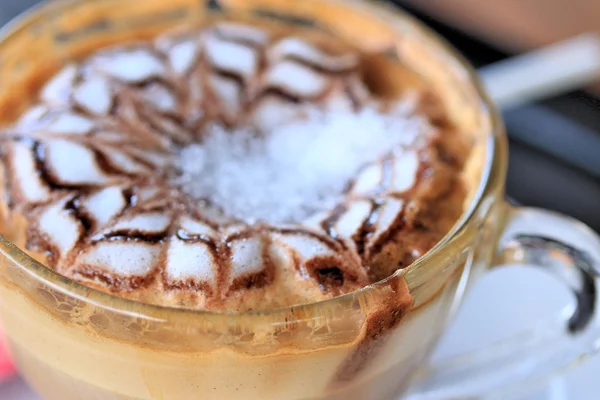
(229, 168)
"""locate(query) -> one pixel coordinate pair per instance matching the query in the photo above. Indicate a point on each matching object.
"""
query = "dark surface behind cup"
(545, 139)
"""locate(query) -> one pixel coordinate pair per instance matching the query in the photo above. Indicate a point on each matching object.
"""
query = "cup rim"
(495, 149)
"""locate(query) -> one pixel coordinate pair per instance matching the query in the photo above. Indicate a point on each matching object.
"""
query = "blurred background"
(548, 136)
(547, 141)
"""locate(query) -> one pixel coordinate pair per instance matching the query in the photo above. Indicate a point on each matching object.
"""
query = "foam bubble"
(123, 161)
(404, 171)
(73, 163)
(58, 89)
(146, 223)
(245, 33)
(229, 94)
(195, 227)
(306, 246)
(182, 56)
(160, 97)
(123, 258)
(94, 95)
(58, 224)
(70, 123)
(134, 66)
(388, 215)
(190, 261)
(273, 112)
(33, 116)
(297, 48)
(368, 180)
(231, 56)
(246, 256)
(296, 79)
(353, 219)
(26, 175)
(105, 204)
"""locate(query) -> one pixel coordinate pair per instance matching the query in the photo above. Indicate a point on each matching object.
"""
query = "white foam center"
(299, 168)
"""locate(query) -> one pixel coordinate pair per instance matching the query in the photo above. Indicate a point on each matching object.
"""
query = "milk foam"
(301, 167)
(181, 166)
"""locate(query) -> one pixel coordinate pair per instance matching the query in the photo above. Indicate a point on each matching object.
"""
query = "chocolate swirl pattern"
(89, 167)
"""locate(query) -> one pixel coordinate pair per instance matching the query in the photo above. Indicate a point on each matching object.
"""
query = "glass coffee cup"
(74, 342)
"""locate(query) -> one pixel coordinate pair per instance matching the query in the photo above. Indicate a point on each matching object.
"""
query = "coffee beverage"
(235, 204)
(232, 168)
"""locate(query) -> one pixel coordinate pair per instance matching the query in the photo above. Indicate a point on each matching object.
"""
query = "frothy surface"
(302, 167)
(231, 168)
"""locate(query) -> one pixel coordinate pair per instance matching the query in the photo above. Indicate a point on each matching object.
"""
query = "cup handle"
(570, 251)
